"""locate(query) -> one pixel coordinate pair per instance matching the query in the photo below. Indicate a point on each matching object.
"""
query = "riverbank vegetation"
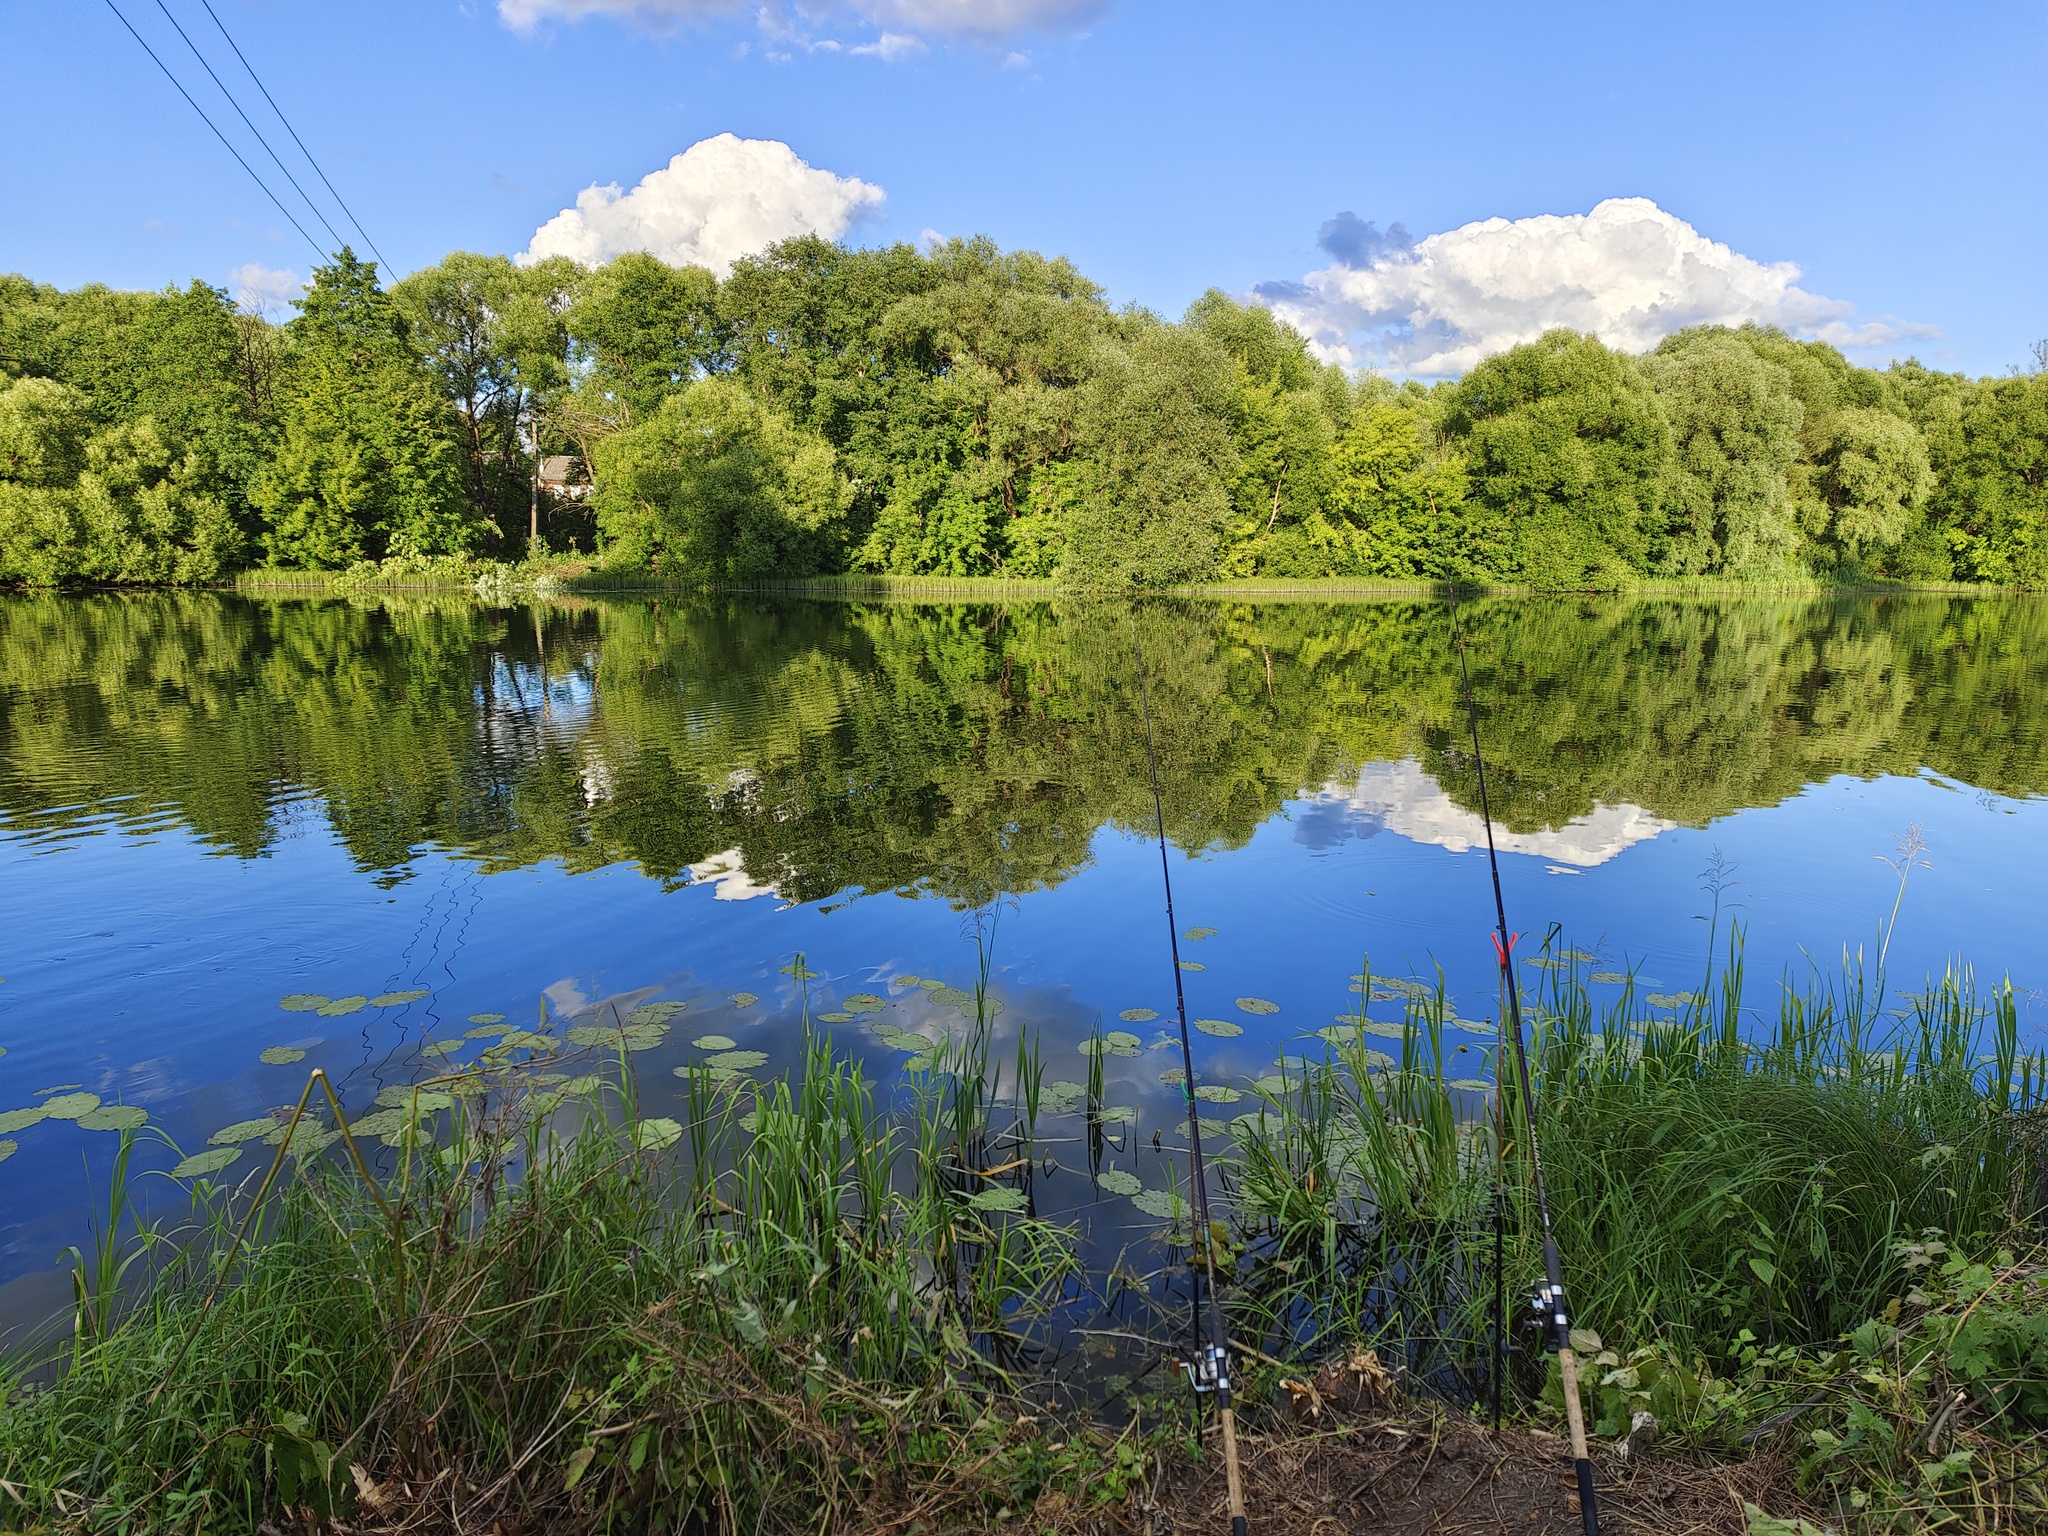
(839, 1297)
(963, 412)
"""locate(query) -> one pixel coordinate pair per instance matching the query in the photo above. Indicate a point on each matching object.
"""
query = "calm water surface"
(208, 803)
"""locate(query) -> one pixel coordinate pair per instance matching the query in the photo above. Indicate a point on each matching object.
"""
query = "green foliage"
(716, 487)
(365, 464)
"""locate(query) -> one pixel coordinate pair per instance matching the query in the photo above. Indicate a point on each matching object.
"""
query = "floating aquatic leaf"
(906, 981)
(1257, 1005)
(1209, 1127)
(1470, 1084)
(1216, 1093)
(114, 1117)
(750, 1121)
(19, 1119)
(200, 1163)
(998, 1197)
(1337, 1034)
(1609, 978)
(714, 1042)
(1272, 1082)
(1374, 1058)
(835, 1018)
(304, 1002)
(1547, 962)
(652, 1135)
(241, 1131)
(490, 1032)
(1119, 1182)
(381, 1123)
(1173, 1077)
(440, 1047)
(652, 1015)
(1139, 1015)
(930, 983)
(8, 1149)
(953, 997)
(1163, 1203)
(1063, 1096)
(583, 1086)
(69, 1106)
(398, 999)
(487, 1018)
(1119, 1043)
(1198, 934)
(1672, 999)
(588, 1034)
(744, 999)
(799, 969)
(865, 1002)
(1473, 1026)
(918, 1063)
(280, 1055)
(403, 1095)
(738, 1061)
(1117, 1114)
(1578, 955)
(1193, 965)
(531, 1040)
(343, 1005)
(1220, 1027)
(309, 1140)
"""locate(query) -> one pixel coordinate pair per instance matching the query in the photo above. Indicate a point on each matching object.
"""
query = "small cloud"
(720, 199)
(988, 22)
(929, 240)
(1015, 60)
(267, 291)
(1628, 272)
(891, 46)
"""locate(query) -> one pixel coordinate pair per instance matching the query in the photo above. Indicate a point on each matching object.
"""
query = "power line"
(295, 224)
(288, 128)
(288, 176)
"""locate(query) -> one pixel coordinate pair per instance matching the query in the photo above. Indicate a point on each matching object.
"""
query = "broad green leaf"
(1139, 1015)
(738, 1061)
(70, 1106)
(200, 1163)
(343, 1005)
(114, 1117)
(397, 999)
(744, 999)
(998, 1197)
(653, 1135)
(1198, 934)
(1257, 1005)
(487, 1018)
(304, 1002)
(280, 1055)
(1222, 1028)
(713, 1042)
(20, 1119)
(1119, 1182)
(240, 1131)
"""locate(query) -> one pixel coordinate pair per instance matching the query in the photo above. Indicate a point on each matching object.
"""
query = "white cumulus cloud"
(719, 200)
(984, 21)
(1629, 272)
(265, 290)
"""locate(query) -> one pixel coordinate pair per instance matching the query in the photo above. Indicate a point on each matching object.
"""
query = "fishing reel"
(1209, 1371)
(1547, 1319)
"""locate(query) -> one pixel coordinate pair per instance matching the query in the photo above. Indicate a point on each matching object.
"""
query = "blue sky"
(1891, 153)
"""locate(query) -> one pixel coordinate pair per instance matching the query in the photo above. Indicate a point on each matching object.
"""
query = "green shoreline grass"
(803, 1301)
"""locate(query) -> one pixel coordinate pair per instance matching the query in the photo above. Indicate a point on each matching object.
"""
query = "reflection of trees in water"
(968, 749)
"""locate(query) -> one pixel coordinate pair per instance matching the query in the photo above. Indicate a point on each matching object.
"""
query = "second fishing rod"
(1209, 1372)
(1550, 1300)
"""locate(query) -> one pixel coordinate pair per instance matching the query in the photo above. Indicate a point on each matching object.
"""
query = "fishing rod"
(1549, 1302)
(1210, 1373)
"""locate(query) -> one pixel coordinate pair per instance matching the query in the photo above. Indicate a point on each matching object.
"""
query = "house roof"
(562, 469)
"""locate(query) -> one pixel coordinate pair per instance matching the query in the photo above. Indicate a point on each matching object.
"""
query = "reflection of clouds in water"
(730, 881)
(1401, 797)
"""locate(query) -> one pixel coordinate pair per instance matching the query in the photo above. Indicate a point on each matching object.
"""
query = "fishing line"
(1550, 1300)
(1211, 1372)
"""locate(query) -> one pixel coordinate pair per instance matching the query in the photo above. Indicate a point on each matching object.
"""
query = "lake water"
(210, 803)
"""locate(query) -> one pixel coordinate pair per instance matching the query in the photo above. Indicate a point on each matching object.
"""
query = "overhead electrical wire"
(260, 139)
(226, 143)
(1210, 1373)
(288, 128)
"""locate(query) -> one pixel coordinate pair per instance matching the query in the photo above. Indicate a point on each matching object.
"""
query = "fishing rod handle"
(1230, 1472)
(1575, 1418)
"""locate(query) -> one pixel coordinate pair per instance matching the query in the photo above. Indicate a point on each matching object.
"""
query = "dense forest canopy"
(964, 411)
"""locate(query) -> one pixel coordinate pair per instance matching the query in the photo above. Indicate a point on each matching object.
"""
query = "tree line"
(963, 411)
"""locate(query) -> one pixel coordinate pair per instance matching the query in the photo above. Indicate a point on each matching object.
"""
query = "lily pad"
(530, 1040)
(1119, 1182)
(998, 1197)
(490, 1031)
(20, 1119)
(404, 1096)
(343, 1005)
(653, 1013)
(304, 1002)
(241, 1131)
(1163, 1203)
(1139, 1015)
(737, 1061)
(652, 1135)
(714, 1042)
(440, 1047)
(1061, 1097)
(1173, 1077)
(1273, 1082)
(69, 1106)
(918, 1063)
(397, 999)
(1216, 1093)
(1221, 1028)
(1117, 1114)
(865, 1002)
(1257, 1005)
(280, 1055)
(1609, 978)
(200, 1163)
(1672, 999)
(835, 1018)
(906, 981)
(589, 1034)
(1193, 965)
(487, 1018)
(8, 1149)
(1473, 1026)
(1470, 1084)
(930, 983)
(114, 1117)
(744, 999)
(1198, 934)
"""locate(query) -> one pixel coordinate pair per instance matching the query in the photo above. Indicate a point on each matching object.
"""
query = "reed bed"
(821, 1302)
